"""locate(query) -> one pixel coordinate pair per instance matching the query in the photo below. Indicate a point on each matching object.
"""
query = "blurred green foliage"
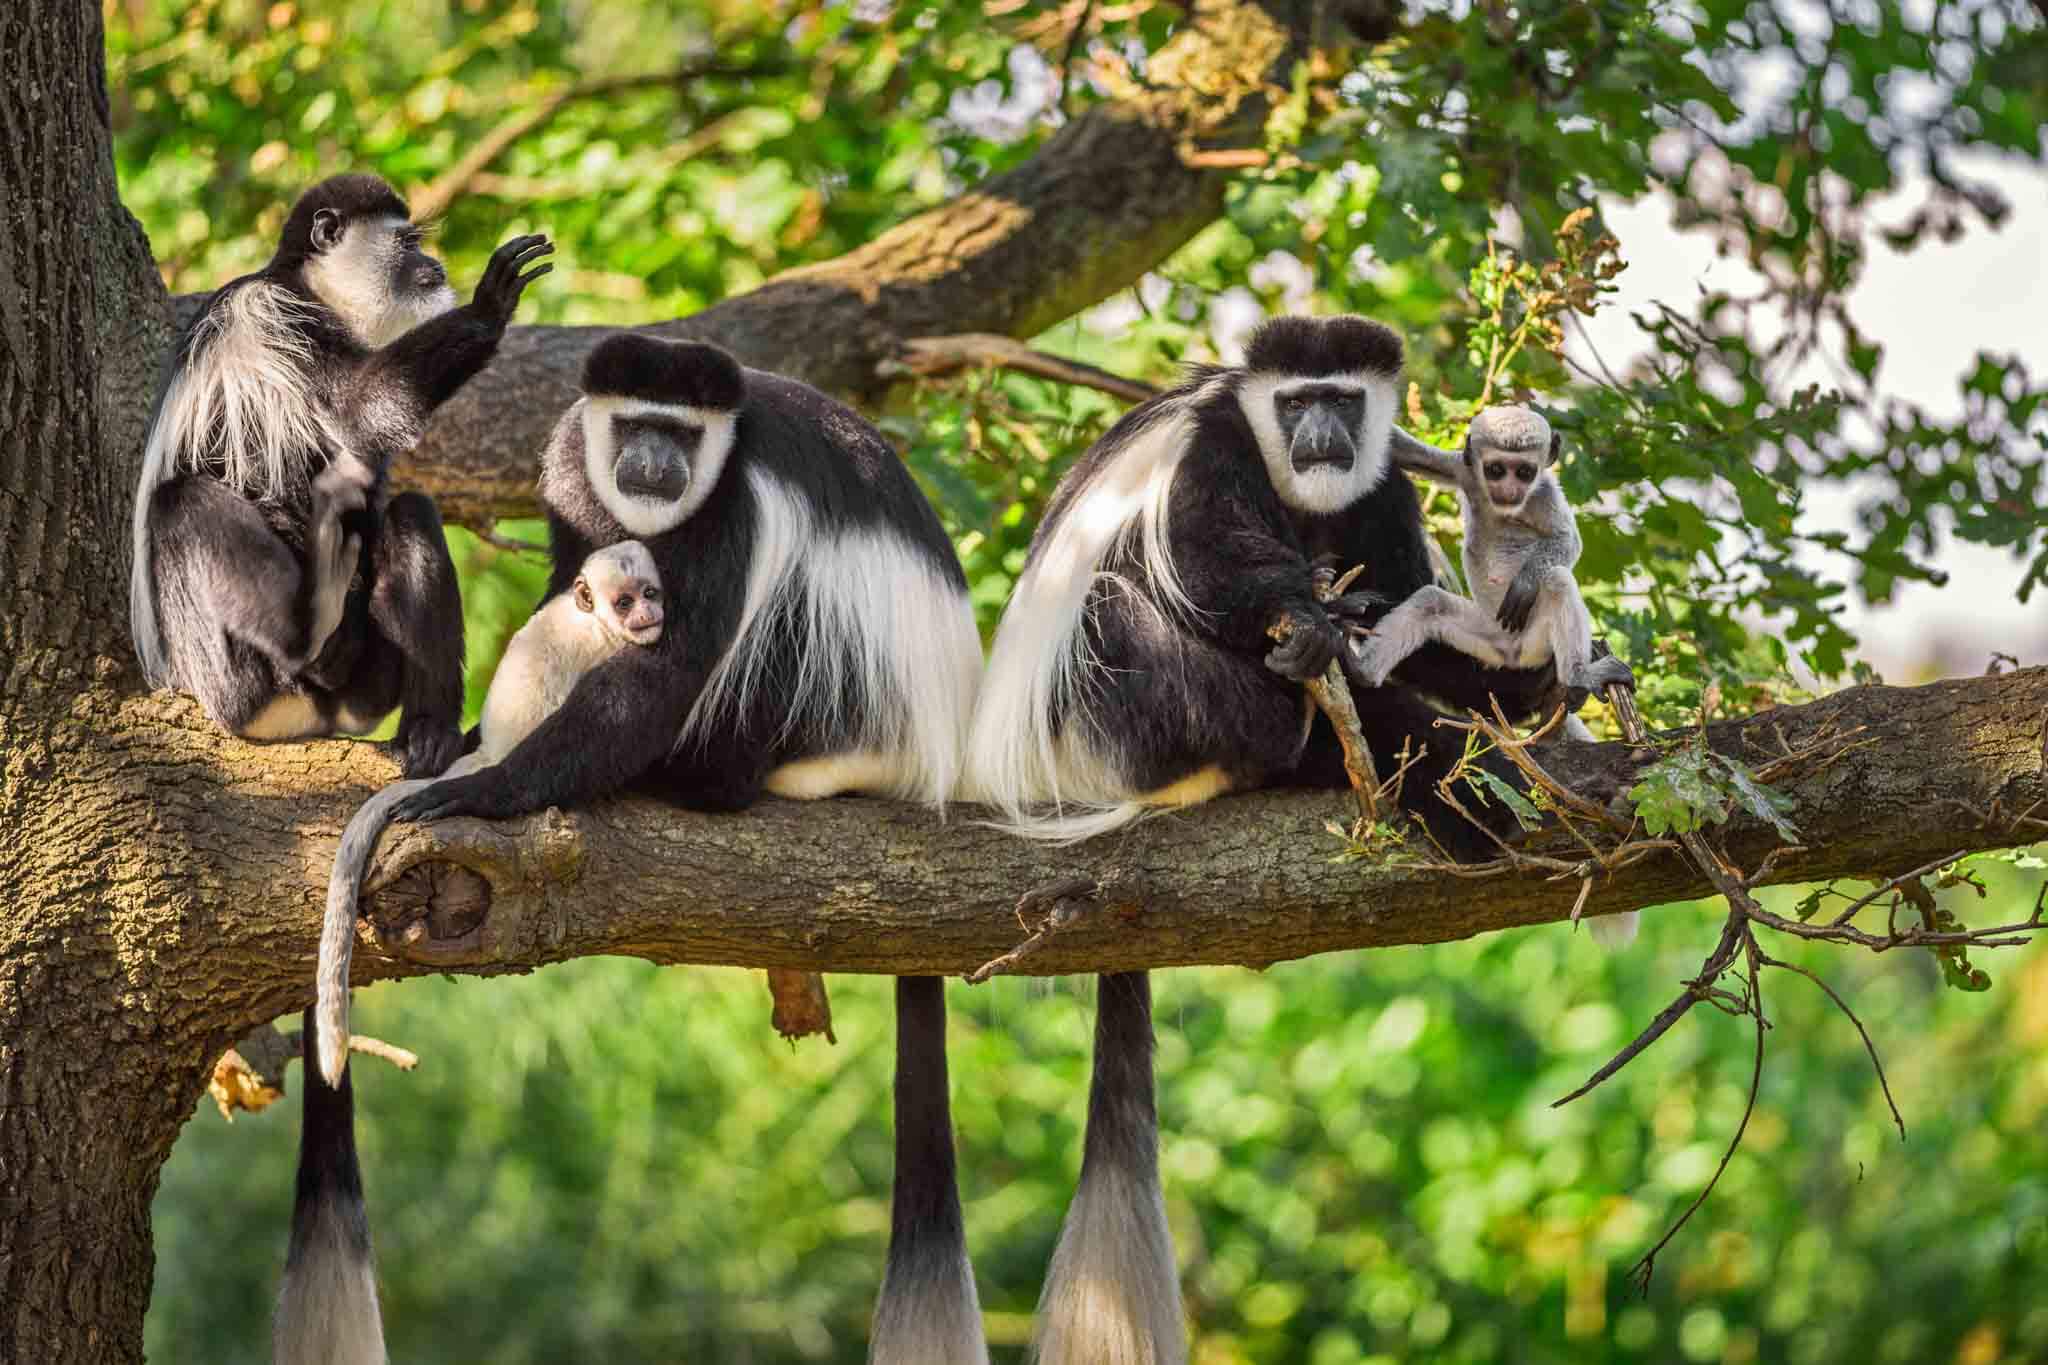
(610, 1162)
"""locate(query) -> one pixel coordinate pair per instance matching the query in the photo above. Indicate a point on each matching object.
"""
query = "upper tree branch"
(1107, 198)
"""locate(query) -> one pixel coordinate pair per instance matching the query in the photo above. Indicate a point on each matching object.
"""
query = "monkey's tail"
(1112, 1295)
(338, 929)
(1071, 824)
(327, 1311)
(928, 1311)
(1613, 932)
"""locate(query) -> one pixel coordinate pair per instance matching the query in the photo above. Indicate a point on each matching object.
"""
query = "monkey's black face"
(1321, 424)
(652, 458)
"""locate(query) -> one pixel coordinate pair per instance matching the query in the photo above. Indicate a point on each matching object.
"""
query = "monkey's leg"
(1113, 1293)
(1429, 614)
(1562, 616)
(928, 1310)
(416, 610)
(240, 614)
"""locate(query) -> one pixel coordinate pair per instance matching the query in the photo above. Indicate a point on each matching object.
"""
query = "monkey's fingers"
(1517, 605)
(530, 276)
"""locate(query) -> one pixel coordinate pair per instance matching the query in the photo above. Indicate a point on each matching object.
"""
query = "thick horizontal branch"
(1104, 200)
(1892, 778)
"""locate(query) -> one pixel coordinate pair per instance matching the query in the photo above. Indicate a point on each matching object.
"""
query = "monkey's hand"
(426, 747)
(477, 794)
(1518, 603)
(1353, 613)
(1600, 674)
(497, 293)
(1308, 640)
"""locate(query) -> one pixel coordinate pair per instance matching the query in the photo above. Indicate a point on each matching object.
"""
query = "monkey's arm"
(617, 723)
(1438, 466)
(1535, 577)
(1243, 577)
(399, 386)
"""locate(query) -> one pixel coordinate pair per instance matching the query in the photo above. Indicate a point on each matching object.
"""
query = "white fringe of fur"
(1322, 490)
(936, 1322)
(649, 517)
(1040, 665)
(868, 615)
(327, 1311)
(1112, 1294)
(239, 408)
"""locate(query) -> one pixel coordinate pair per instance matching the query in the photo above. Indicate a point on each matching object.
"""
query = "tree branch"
(943, 355)
(872, 886)
(432, 199)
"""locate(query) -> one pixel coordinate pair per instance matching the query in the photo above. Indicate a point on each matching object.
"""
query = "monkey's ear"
(327, 230)
(584, 601)
(1556, 441)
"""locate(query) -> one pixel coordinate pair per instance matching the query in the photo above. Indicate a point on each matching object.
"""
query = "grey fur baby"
(1520, 545)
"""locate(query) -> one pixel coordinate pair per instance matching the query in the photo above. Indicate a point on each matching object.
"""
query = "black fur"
(1315, 347)
(689, 373)
(1171, 704)
(329, 1176)
(230, 573)
(618, 726)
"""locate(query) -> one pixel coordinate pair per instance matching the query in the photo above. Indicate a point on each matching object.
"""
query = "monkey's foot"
(1599, 674)
(425, 748)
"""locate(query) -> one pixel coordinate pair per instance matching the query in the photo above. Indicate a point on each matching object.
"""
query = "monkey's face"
(653, 464)
(1507, 474)
(622, 589)
(375, 273)
(1324, 440)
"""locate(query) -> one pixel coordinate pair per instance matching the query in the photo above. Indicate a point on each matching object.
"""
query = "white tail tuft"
(1112, 1296)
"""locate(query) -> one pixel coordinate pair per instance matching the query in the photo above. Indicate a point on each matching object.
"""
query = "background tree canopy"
(615, 1162)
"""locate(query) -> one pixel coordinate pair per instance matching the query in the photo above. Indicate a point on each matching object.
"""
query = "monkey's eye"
(1496, 470)
(652, 594)
(623, 604)
(1292, 404)
(1526, 473)
(411, 238)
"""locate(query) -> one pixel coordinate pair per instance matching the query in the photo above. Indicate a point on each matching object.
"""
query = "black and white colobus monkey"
(327, 1310)
(271, 578)
(1133, 671)
(819, 641)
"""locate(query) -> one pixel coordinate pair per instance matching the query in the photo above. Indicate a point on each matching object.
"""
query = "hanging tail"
(928, 1313)
(338, 929)
(1112, 1295)
(327, 1311)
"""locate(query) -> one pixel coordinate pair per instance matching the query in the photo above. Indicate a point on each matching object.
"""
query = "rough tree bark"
(159, 882)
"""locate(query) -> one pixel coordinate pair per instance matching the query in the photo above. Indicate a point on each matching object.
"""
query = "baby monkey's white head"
(1507, 449)
(620, 587)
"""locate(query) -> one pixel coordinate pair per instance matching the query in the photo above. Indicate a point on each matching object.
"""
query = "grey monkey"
(1521, 542)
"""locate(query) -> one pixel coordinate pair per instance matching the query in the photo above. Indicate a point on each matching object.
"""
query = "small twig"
(499, 541)
(1695, 991)
(944, 354)
(1332, 696)
(433, 199)
(1868, 1045)
(1892, 885)
(403, 1058)
(1067, 898)
(1645, 1267)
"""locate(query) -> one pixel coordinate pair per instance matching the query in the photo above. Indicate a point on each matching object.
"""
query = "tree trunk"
(94, 1081)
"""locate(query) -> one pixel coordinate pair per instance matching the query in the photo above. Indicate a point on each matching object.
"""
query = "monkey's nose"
(429, 274)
